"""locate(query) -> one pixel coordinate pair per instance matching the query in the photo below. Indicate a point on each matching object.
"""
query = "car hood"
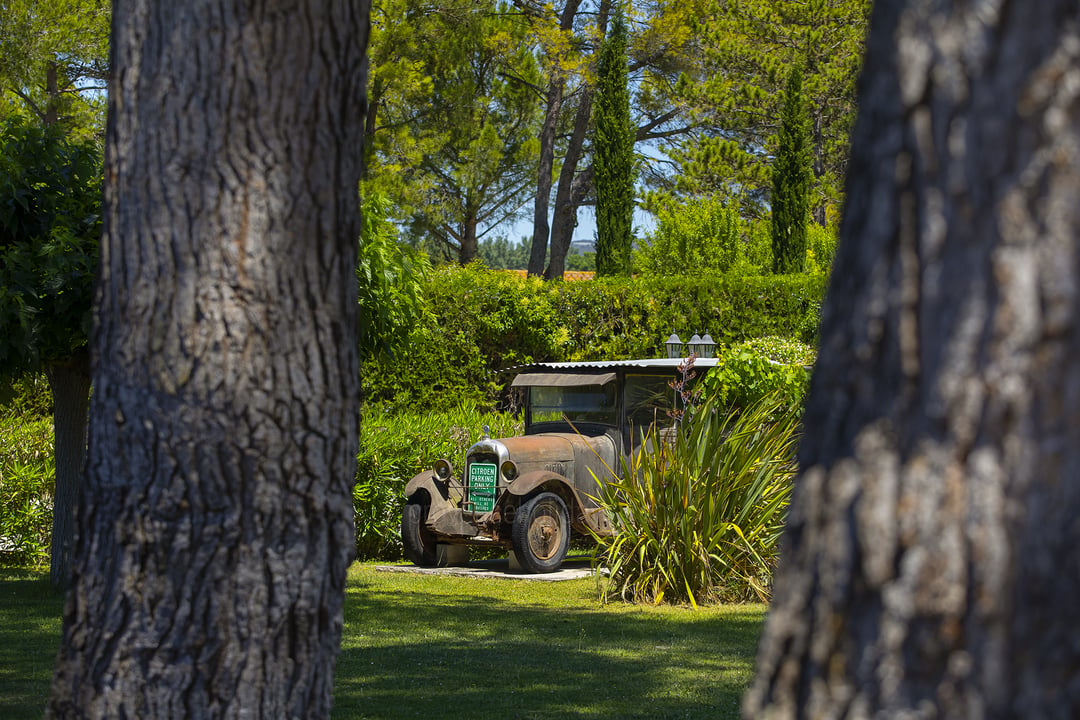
(568, 454)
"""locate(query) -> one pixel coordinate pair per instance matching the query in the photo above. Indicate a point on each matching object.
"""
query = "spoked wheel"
(541, 533)
(418, 541)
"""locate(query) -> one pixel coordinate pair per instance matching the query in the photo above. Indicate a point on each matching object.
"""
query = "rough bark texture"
(930, 565)
(469, 243)
(574, 186)
(70, 385)
(567, 199)
(215, 527)
(541, 229)
(552, 114)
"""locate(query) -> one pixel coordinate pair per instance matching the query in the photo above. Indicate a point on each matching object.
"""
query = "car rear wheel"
(418, 541)
(541, 533)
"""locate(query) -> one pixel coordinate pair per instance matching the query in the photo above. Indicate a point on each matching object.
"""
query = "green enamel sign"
(483, 479)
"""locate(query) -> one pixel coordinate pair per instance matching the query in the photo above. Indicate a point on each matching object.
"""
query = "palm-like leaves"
(700, 518)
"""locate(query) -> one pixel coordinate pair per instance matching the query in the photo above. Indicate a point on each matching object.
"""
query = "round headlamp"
(509, 470)
(442, 469)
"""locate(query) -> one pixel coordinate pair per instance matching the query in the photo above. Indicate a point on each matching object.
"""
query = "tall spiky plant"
(699, 518)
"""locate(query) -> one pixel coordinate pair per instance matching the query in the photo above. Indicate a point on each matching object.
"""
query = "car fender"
(583, 516)
(438, 492)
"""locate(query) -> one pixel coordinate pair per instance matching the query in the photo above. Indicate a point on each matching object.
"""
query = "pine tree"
(614, 163)
(791, 181)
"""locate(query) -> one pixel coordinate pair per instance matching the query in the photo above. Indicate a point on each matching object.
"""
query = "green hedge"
(483, 321)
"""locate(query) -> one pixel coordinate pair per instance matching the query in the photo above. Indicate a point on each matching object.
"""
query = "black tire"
(541, 533)
(418, 541)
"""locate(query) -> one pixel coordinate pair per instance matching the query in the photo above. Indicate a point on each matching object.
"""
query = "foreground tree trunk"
(930, 567)
(70, 385)
(215, 527)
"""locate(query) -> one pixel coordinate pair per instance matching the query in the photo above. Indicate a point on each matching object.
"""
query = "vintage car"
(530, 493)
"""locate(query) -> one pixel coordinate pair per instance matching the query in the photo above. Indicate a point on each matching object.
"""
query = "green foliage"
(50, 222)
(391, 278)
(454, 119)
(699, 519)
(26, 396)
(54, 61)
(500, 254)
(748, 48)
(484, 321)
(749, 372)
(394, 448)
(26, 486)
(791, 177)
(614, 151)
(821, 248)
(701, 237)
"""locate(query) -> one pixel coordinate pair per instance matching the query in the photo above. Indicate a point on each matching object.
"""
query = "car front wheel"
(418, 541)
(541, 533)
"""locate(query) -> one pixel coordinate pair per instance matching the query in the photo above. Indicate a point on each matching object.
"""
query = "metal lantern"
(702, 347)
(708, 347)
(674, 346)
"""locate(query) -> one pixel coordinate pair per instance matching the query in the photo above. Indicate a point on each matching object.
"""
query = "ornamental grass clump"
(699, 519)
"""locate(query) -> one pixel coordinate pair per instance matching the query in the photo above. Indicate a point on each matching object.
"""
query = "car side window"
(649, 399)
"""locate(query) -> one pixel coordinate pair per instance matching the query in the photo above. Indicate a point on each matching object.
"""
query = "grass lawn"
(447, 647)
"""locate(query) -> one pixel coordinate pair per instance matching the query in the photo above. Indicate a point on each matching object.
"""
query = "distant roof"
(607, 365)
(568, 275)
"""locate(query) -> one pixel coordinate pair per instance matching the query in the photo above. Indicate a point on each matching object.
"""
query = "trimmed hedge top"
(485, 321)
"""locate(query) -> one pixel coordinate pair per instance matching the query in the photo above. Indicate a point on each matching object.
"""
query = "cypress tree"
(791, 181)
(614, 156)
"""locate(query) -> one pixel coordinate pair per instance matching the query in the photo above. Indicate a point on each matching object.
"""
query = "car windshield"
(579, 404)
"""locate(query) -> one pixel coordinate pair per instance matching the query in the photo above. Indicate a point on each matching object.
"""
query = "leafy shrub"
(750, 371)
(821, 248)
(391, 279)
(26, 488)
(702, 237)
(50, 222)
(699, 519)
(26, 396)
(394, 448)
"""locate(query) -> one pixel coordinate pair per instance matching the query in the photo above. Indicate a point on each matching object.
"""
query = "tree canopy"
(50, 221)
(454, 120)
(735, 97)
(54, 60)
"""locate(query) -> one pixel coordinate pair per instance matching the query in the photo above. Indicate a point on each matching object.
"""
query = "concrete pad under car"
(572, 569)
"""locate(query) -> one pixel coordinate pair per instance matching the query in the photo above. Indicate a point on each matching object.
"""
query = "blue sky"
(586, 229)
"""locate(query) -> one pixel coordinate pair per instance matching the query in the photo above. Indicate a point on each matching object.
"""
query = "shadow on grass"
(30, 619)
(468, 649)
(451, 657)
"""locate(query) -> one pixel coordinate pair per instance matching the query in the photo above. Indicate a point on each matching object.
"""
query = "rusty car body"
(530, 493)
